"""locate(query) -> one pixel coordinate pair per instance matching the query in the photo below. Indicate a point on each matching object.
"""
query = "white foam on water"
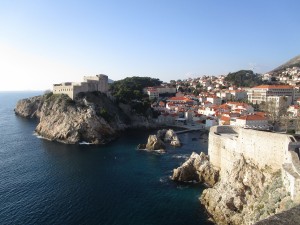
(181, 156)
(85, 143)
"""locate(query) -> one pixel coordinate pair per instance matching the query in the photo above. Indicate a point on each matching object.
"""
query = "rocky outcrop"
(172, 138)
(68, 123)
(155, 143)
(169, 136)
(91, 117)
(245, 194)
(196, 168)
(29, 107)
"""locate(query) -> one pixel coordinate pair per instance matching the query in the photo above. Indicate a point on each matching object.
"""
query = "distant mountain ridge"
(291, 63)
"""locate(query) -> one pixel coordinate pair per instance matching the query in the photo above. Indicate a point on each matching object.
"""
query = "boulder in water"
(155, 143)
(196, 168)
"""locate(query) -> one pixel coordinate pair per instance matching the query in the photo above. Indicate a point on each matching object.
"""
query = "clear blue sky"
(45, 42)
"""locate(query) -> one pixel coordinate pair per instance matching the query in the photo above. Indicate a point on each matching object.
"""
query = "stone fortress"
(90, 83)
(272, 151)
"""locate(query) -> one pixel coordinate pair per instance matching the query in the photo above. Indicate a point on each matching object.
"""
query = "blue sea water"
(43, 182)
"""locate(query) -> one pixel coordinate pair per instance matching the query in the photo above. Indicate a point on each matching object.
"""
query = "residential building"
(214, 100)
(252, 121)
(293, 110)
(259, 94)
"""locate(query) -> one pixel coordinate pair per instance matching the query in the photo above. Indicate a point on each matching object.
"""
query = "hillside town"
(211, 100)
(268, 102)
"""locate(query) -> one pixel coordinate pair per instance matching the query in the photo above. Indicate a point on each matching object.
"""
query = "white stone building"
(90, 83)
(259, 94)
(251, 121)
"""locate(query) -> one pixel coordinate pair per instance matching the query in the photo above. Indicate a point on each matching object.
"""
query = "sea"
(44, 182)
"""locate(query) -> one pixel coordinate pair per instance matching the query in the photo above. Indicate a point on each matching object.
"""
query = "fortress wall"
(83, 87)
(263, 148)
(63, 89)
(291, 176)
(214, 148)
(91, 83)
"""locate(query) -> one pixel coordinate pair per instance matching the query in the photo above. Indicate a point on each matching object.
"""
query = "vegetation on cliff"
(131, 88)
(244, 78)
(130, 91)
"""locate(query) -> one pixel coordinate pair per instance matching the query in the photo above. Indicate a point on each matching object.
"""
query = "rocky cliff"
(30, 107)
(244, 194)
(91, 117)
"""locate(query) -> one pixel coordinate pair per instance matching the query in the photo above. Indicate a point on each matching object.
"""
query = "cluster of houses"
(231, 106)
(216, 103)
(289, 76)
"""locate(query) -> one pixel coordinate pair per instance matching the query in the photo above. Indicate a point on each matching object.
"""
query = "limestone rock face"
(157, 142)
(172, 137)
(196, 168)
(245, 194)
(169, 136)
(92, 117)
(154, 143)
(29, 107)
(69, 123)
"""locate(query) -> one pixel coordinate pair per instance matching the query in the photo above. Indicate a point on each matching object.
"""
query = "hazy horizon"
(43, 43)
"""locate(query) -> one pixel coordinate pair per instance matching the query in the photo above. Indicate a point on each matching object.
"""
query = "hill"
(244, 78)
(291, 63)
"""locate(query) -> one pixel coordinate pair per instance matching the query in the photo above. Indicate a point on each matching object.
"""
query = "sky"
(45, 42)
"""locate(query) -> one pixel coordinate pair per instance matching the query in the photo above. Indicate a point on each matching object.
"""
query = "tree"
(274, 111)
(244, 78)
(131, 88)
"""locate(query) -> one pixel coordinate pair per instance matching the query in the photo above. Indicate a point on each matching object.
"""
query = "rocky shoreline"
(92, 117)
(245, 195)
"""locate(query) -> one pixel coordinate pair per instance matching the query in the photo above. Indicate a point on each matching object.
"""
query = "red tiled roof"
(161, 103)
(274, 87)
(178, 99)
(260, 113)
(225, 118)
(252, 117)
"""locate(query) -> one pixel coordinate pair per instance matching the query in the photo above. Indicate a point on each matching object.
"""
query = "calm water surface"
(44, 182)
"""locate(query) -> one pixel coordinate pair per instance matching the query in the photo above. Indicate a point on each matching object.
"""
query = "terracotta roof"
(177, 98)
(185, 99)
(252, 117)
(161, 103)
(274, 87)
(224, 106)
(225, 118)
(260, 113)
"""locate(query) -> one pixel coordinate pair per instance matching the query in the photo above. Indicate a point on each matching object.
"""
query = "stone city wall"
(265, 149)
